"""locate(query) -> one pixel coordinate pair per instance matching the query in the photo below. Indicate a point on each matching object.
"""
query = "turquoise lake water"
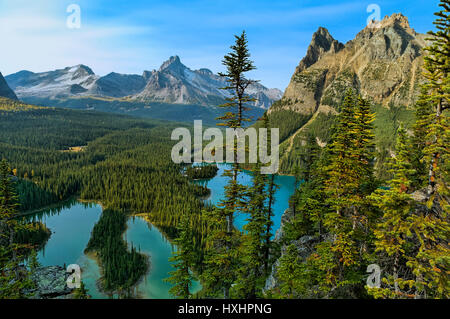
(286, 189)
(71, 228)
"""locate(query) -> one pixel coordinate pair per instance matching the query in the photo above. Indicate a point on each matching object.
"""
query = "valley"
(88, 176)
(174, 92)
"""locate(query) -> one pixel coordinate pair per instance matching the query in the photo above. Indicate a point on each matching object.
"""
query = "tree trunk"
(434, 160)
(268, 227)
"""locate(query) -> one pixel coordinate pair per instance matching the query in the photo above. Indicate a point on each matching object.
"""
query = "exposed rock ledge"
(305, 246)
(50, 283)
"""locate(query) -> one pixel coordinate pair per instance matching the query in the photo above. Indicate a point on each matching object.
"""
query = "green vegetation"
(183, 259)
(171, 112)
(349, 212)
(202, 171)
(121, 268)
(126, 165)
(334, 94)
(17, 240)
(9, 105)
(287, 121)
(312, 80)
(33, 235)
(386, 124)
(347, 219)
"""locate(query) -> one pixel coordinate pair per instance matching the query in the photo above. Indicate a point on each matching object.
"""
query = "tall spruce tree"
(394, 227)
(183, 259)
(423, 111)
(222, 257)
(252, 263)
(437, 67)
(348, 174)
(272, 188)
(342, 185)
(432, 226)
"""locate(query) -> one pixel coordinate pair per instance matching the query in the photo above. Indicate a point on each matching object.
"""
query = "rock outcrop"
(305, 246)
(50, 283)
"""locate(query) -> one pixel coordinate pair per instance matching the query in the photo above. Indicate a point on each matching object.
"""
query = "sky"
(130, 36)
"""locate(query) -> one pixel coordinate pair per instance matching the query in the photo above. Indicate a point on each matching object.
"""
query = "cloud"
(39, 42)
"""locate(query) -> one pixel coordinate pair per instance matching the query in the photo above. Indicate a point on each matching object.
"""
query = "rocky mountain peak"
(173, 63)
(383, 63)
(396, 19)
(322, 42)
(80, 70)
(397, 23)
(172, 83)
(390, 39)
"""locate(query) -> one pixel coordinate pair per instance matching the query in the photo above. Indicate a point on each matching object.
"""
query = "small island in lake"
(202, 172)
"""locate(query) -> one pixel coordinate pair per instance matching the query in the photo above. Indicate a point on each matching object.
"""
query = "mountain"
(5, 90)
(383, 64)
(173, 83)
(117, 85)
(53, 84)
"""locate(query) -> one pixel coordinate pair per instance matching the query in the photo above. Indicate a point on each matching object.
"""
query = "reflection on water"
(71, 224)
(153, 243)
(286, 189)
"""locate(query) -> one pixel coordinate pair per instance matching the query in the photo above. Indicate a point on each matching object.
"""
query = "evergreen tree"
(289, 273)
(309, 155)
(253, 256)
(14, 278)
(423, 115)
(394, 228)
(237, 63)
(342, 186)
(272, 188)
(81, 293)
(182, 259)
(348, 174)
(431, 225)
(437, 67)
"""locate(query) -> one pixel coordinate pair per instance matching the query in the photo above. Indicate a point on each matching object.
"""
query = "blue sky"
(129, 36)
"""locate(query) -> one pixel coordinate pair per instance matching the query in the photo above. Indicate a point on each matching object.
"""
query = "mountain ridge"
(5, 90)
(172, 83)
(383, 63)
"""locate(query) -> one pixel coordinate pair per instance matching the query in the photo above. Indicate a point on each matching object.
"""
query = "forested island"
(202, 172)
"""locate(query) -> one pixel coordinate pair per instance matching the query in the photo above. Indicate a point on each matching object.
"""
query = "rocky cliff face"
(5, 90)
(382, 62)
